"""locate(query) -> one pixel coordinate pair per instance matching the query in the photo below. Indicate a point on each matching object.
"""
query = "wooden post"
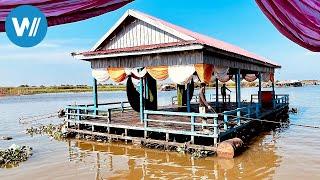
(146, 88)
(78, 114)
(238, 88)
(126, 134)
(145, 126)
(215, 129)
(188, 98)
(225, 121)
(259, 92)
(167, 137)
(217, 93)
(109, 120)
(238, 116)
(109, 116)
(192, 128)
(95, 96)
(257, 110)
(273, 96)
(141, 100)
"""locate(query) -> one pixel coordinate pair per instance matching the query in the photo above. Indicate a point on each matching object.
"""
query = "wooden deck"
(168, 126)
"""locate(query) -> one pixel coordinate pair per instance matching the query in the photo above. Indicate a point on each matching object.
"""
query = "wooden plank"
(106, 124)
(178, 122)
(145, 141)
(168, 113)
(187, 133)
(138, 33)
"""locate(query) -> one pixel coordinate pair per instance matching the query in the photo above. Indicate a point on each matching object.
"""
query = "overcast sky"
(237, 22)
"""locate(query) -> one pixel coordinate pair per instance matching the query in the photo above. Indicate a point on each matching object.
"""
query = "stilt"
(95, 96)
(217, 93)
(188, 98)
(238, 88)
(259, 92)
(126, 134)
(167, 137)
(273, 95)
(192, 128)
(141, 100)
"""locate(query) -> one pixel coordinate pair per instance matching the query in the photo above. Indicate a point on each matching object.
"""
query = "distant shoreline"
(17, 91)
(32, 90)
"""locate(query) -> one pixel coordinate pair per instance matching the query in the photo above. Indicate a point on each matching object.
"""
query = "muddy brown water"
(284, 153)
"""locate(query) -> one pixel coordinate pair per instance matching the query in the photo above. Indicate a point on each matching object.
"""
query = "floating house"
(141, 50)
(289, 83)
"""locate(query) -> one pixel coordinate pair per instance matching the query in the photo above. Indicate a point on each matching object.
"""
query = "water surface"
(284, 153)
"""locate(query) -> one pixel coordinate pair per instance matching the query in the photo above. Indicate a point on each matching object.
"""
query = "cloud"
(56, 51)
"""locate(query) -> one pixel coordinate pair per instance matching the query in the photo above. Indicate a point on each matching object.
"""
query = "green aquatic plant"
(181, 149)
(57, 132)
(201, 153)
(14, 155)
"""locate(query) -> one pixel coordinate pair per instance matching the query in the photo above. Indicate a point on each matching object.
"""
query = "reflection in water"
(118, 160)
(279, 154)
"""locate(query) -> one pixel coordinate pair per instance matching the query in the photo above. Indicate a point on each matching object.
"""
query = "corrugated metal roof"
(203, 39)
(199, 39)
(139, 48)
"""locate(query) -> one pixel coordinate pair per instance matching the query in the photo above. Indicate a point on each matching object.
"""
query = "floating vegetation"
(201, 153)
(57, 132)
(196, 153)
(14, 155)
(181, 149)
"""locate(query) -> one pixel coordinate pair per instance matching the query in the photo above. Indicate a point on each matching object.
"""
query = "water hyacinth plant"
(55, 131)
(14, 155)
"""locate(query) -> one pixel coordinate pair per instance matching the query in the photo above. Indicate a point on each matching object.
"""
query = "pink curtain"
(63, 11)
(298, 20)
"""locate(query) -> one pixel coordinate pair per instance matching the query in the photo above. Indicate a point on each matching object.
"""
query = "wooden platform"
(170, 126)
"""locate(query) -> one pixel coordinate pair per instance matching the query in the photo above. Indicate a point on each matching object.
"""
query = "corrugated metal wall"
(139, 33)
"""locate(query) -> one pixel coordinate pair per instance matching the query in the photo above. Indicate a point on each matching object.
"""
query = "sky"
(238, 22)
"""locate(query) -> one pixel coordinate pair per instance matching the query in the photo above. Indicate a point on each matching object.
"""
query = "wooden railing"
(253, 110)
(192, 123)
(236, 115)
(210, 98)
(280, 100)
(79, 112)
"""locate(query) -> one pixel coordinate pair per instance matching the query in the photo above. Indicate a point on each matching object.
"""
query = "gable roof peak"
(148, 19)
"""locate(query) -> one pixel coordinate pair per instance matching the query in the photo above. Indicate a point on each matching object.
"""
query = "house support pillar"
(95, 96)
(238, 88)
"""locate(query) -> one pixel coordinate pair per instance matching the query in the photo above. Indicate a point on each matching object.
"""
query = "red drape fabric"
(63, 11)
(204, 72)
(298, 20)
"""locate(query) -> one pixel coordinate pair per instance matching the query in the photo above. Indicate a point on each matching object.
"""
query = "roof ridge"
(208, 40)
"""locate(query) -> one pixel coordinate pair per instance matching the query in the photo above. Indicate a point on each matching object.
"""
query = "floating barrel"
(229, 148)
